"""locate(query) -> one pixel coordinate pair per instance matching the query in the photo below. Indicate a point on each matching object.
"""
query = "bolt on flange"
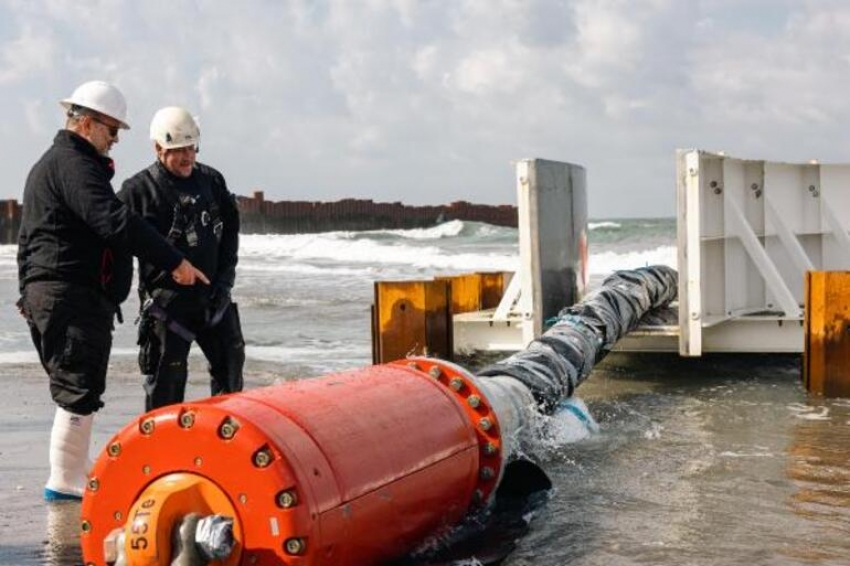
(262, 457)
(287, 499)
(187, 419)
(295, 546)
(147, 426)
(228, 429)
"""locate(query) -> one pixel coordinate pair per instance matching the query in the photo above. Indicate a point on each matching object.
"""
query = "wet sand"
(33, 532)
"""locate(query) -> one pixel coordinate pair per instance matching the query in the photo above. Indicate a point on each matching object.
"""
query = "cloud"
(26, 56)
(205, 85)
(431, 101)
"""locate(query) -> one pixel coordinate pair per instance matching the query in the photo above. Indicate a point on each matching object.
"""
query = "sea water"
(720, 460)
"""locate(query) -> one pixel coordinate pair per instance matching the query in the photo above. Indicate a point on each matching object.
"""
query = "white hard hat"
(101, 97)
(173, 127)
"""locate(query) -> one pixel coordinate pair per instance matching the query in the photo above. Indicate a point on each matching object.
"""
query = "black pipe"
(552, 366)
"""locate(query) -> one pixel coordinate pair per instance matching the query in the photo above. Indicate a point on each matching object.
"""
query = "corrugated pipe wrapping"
(552, 366)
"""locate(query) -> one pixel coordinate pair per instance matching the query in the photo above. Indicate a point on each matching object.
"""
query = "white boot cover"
(69, 455)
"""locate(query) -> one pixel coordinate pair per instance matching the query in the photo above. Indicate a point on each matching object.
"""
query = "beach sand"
(33, 532)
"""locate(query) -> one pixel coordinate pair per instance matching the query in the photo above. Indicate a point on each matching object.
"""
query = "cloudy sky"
(430, 101)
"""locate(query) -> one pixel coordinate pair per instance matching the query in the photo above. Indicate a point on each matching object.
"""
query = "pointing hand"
(188, 274)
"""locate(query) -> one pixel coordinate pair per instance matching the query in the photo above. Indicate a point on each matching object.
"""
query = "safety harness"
(184, 218)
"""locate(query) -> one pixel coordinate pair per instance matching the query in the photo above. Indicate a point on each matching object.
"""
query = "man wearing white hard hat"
(188, 202)
(75, 250)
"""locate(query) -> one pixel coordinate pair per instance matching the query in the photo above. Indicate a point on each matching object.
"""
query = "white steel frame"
(748, 232)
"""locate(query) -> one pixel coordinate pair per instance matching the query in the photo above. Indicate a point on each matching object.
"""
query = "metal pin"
(474, 401)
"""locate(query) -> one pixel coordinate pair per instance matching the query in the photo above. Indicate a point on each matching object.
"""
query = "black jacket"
(197, 214)
(75, 230)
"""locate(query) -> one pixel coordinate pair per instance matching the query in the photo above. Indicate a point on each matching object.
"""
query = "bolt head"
(435, 372)
(490, 448)
(93, 484)
(146, 427)
(474, 401)
(262, 458)
(114, 449)
(478, 497)
(456, 384)
(187, 419)
(85, 526)
(295, 546)
(228, 429)
(287, 499)
(485, 424)
(487, 473)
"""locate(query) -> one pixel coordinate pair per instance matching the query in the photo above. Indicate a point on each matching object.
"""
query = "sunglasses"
(113, 130)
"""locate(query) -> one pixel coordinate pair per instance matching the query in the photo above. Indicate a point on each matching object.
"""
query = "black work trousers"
(163, 355)
(71, 327)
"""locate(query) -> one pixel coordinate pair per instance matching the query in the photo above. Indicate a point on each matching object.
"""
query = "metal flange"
(462, 386)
